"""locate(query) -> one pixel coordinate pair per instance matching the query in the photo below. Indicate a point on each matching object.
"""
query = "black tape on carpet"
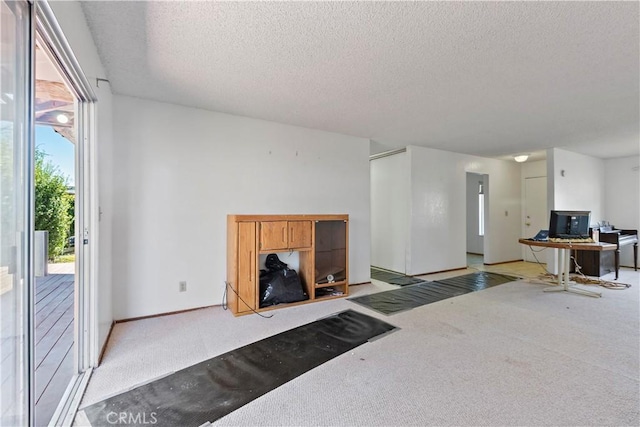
(393, 277)
(214, 388)
(408, 297)
(477, 281)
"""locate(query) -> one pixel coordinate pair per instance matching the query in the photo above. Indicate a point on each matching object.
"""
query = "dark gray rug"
(408, 297)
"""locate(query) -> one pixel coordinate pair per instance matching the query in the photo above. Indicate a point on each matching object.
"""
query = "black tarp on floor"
(477, 281)
(408, 297)
(393, 277)
(214, 388)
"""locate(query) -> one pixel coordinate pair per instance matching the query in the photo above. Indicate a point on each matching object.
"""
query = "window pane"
(14, 197)
(481, 214)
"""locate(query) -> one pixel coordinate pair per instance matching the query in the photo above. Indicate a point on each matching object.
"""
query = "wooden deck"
(54, 312)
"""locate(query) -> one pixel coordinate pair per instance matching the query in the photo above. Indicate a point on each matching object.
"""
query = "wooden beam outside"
(54, 91)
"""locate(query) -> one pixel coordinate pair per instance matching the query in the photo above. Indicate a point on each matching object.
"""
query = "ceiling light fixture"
(521, 158)
(62, 118)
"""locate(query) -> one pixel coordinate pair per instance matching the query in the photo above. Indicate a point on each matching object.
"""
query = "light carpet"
(508, 355)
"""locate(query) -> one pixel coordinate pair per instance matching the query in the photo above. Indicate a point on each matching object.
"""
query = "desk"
(564, 261)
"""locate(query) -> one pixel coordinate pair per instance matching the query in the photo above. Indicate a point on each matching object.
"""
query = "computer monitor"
(569, 224)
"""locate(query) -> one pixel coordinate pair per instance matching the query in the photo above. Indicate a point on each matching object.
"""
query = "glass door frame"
(35, 18)
(86, 347)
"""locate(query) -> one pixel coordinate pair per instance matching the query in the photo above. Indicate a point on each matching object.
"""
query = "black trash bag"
(273, 263)
(280, 286)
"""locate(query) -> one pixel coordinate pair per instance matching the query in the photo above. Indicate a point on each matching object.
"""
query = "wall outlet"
(183, 286)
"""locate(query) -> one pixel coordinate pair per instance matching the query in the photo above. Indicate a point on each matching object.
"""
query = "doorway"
(55, 140)
(80, 127)
(476, 217)
(390, 195)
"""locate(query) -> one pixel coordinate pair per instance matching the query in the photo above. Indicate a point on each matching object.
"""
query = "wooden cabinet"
(320, 243)
(276, 235)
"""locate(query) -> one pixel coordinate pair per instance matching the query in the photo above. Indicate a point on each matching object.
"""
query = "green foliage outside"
(65, 258)
(72, 214)
(52, 204)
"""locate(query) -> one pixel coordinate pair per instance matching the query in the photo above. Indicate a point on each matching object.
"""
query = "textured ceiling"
(484, 78)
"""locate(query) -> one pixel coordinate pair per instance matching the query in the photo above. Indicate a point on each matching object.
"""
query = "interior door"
(535, 211)
(16, 213)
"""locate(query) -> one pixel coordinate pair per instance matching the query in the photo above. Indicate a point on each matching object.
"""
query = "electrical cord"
(224, 300)
(534, 252)
(224, 297)
(584, 280)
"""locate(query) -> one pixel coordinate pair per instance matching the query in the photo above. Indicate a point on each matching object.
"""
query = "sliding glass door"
(16, 223)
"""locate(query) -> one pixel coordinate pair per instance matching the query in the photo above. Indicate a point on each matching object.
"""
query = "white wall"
(182, 170)
(390, 189)
(72, 22)
(574, 182)
(578, 183)
(475, 242)
(438, 213)
(622, 198)
(533, 169)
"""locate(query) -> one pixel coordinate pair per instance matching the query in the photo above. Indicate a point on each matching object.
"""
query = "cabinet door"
(330, 251)
(247, 259)
(299, 234)
(273, 235)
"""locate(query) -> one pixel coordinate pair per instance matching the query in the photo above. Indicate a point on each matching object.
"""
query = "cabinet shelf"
(329, 285)
(283, 251)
